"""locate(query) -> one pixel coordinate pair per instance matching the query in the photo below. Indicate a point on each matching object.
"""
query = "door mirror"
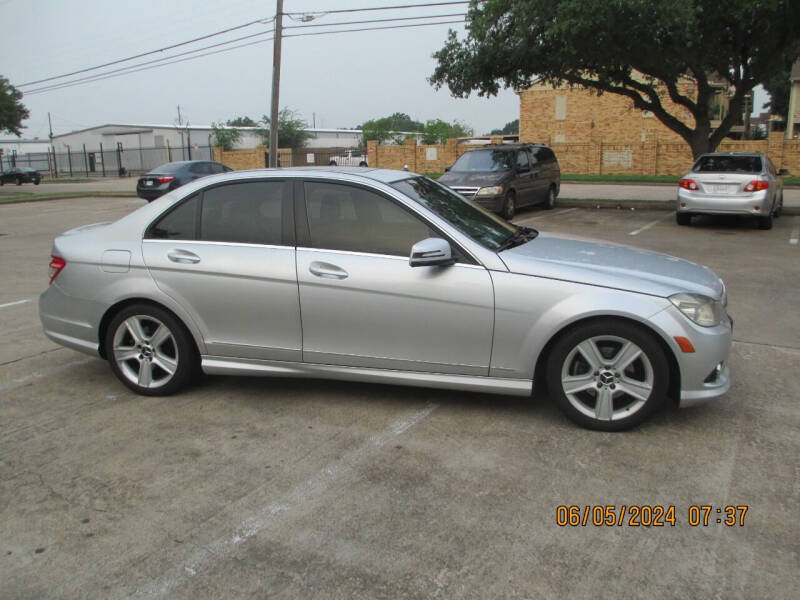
(431, 252)
(783, 172)
(447, 169)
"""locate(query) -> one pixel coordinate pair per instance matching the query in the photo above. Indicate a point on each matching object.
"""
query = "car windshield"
(728, 164)
(483, 160)
(488, 230)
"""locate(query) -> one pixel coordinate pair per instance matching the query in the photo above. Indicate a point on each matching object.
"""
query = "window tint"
(483, 160)
(177, 224)
(543, 154)
(728, 164)
(216, 168)
(523, 162)
(246, 213)
(342, 217)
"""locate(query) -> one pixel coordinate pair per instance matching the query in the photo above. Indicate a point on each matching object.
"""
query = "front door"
(227, 256)
(363, 305)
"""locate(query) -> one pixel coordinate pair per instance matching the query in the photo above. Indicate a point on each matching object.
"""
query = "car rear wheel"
(765, 222)
(150, 350)
(19, 181)
(510, 206)
(362, 164)
(608, 375)
(550, 202)
(332, 163)
(778, 208)
(683, 218)
(37, 181)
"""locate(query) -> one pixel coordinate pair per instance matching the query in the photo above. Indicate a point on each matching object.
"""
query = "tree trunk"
(699, 140)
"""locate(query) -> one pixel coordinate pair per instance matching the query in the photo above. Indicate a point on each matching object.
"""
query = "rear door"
(524, 178)
(227, 255)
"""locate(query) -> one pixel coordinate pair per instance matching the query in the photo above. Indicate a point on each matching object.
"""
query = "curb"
(69, 196)
(667, 205)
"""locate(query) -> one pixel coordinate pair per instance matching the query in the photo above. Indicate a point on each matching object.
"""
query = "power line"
(374, 21)
(146, 66)
(402, 6)
(143, 54)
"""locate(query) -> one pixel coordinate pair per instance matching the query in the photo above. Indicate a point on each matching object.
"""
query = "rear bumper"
(739, 204)
(151, 193)
(68, 321)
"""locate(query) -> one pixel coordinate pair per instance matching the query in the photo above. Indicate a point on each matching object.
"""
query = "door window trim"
(303, 233)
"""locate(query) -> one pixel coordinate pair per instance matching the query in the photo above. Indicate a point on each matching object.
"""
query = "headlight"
(494, 190)
(703, 310)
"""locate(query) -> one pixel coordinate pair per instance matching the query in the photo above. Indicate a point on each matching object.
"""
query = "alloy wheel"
(145, 350)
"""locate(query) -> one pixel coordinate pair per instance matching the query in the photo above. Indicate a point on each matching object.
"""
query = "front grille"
(467, 192)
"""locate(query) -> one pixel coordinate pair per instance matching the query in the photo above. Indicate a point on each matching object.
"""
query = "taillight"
(165, 178)
(756, 186)
(688, 184)
(57, 265)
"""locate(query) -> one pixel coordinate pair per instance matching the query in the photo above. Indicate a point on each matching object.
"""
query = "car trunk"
(723, 184)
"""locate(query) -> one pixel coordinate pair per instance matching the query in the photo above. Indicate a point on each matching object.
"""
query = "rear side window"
(728, 164)
(523, 162)
(343, 217)
(543, 154)
(245, 213)
(177, 224)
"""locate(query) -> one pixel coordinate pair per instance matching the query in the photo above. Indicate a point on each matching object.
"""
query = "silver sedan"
(731, 183)
(384, 276)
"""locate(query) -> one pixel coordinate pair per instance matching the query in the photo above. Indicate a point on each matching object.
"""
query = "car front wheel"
(608, 375)
(510, 206)
(150, 350)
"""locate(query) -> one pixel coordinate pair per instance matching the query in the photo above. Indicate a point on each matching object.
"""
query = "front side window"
(478, 224)
(483, 160)
(344, 217)
(245, 213)
(178, 224)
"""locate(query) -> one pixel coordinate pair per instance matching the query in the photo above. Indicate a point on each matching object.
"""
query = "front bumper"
(699, 377)
(492, 203)
(724, 204)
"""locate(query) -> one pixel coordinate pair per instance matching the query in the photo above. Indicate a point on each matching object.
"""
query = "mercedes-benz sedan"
(384, 276)
(732, 183)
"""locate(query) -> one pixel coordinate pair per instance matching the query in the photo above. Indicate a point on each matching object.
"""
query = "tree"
(601, 45)
(509, 128)
(241, 122)
(390, 128)
(12, 111)
(225, 137)
(779, 87)
(291, 130)
(438, 132)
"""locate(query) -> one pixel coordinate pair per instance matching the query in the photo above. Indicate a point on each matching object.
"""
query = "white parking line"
(793, 239)
(15, 303)
(223, 547)
(649, 225)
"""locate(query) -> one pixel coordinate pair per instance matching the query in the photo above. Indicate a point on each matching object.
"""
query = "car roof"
(380, 175)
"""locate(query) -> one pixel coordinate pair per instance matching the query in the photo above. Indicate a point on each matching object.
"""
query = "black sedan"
(167, 177)
(20, 175)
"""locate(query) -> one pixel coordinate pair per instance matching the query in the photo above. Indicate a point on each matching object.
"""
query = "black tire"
(765, 222)
(37, 181)
(362, 164)
(550, 201)
(509, 206)
(683, 218)
(179, 348)
(649, 370)
(2, 182)
(332, 163)
(778, 208)
(19, 181)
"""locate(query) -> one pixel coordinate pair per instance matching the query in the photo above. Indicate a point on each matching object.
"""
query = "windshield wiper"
(520, 236)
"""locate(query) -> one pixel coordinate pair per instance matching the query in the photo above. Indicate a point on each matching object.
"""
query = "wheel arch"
(673, 391)
(113, 310)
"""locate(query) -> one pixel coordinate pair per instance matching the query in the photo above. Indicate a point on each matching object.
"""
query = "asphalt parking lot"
(291, 488)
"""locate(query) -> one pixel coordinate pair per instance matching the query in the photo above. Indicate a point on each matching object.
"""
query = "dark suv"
(505, 177)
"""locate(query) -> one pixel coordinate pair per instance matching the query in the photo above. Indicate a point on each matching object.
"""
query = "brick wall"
(250, 158)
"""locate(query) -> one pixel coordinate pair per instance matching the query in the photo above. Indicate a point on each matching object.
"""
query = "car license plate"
(149, 182)
(720, 189)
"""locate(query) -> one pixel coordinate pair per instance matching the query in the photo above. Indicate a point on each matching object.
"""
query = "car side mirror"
(783, 172)
(447, 169)
(431, 252)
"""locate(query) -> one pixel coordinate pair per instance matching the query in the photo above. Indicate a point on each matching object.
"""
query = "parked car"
(504, 177)
(349, 158)
(20, 175)
(401, 281)
(732, 183)
(172, 175)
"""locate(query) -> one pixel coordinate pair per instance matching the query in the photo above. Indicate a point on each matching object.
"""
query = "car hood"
(610, 265)
(470, 179)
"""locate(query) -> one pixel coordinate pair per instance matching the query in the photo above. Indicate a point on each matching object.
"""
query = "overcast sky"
(331, 80)
(335, 80)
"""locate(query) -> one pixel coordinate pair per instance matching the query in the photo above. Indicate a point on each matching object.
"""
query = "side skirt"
(217, 365)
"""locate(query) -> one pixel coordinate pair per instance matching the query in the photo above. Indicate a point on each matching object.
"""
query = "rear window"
(483, 160)
(728, 164)
(172, 167)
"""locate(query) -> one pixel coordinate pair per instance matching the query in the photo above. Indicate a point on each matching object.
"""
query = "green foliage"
(391, 128)
(291, 130)
(598, 44)
(12, 111)
(241, 122)
(509, 128)
(779, 87)
(224, 137)
(437, 131)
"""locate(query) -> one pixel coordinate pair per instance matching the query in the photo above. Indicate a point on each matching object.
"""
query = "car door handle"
(183, 257)
(327, 270)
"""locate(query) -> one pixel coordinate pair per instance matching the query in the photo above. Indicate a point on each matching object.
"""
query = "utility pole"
(53, 148)
(276, 82)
